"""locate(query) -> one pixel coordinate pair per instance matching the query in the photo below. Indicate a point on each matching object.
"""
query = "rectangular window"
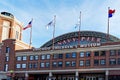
(7, 58)
(102, 62)
(6, 67)
(87, 54)
(54, 64)
(42, 56)
(7, 49)
(60, 64)
(60, 56)
(19, 58)
(23, 65)
(96, 53)
(112, 61)
(36, 57)
(47, 65)
(35, 65)
(119, 52)
(74, 55)
(81, 54)
(48, 56)
(55, 56)
(87, 62)
(42, 64)
(18, 65)
(112, 52)
(24, 58)
(73, 63)
(81, 63)
(118, 61)
(68, 55)
(30, 65)
(31, 57)
(102, 53)
(96, 62)
(67, 63)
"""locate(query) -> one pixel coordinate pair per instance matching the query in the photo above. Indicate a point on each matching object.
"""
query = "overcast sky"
(94, 16)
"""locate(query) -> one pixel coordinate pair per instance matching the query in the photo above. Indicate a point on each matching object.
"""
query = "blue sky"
(94, 16)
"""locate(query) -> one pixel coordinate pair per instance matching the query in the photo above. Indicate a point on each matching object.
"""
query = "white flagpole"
(54, 31)
(79, 28)
(30, 35)
(108, 26)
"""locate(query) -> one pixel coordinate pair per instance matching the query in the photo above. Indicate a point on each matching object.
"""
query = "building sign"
(68, 47)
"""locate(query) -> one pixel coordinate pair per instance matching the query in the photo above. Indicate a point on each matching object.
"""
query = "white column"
(106, 74)
(76, 75)
(26, 76)
(50, 75)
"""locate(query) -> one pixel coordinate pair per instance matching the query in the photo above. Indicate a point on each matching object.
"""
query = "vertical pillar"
(26, 76)
(106, 74)
(76, 75)
(50, 75)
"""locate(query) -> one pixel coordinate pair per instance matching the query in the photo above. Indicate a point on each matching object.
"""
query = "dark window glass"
(30, 65)
(60, 64)
(60, 56)
(112, 61)
(35, 65)
(47, 64)
(87, 62)
(96, 53)
(67, 55)
(73, 63)
(55, 56)
(102, 53)
(96, 62)
(87, 54)
(7, 49)
(74, 55)
(54, 64)
(118, 60)
(67, 63)
(118, 52)
(112, 52)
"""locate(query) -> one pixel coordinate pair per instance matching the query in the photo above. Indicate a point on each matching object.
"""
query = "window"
(35, 65)
(87, 54)
(74, 55)
(24, 58)
(54, 64)
(119, 52)
(19, 58)
(42, 65)
(31, 57)
(36, 57)
(30, 65)
(7, 49)
(67, 63)
(81, 63)
(112, 52)
(68, 55)
(73, 63)
(55, 56)
(60, 56)
(87, 63)
(112, 61)
(42, 56)
(23, 65)
(18, 65)
(118, 60)
(96, 62)
(17, 35)
(60, 64)
(6, 67)
(47, 64)
(96, 53)
(102, 62)
(48, 56)
(7, 58)
(102, 53)
(81, 54)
